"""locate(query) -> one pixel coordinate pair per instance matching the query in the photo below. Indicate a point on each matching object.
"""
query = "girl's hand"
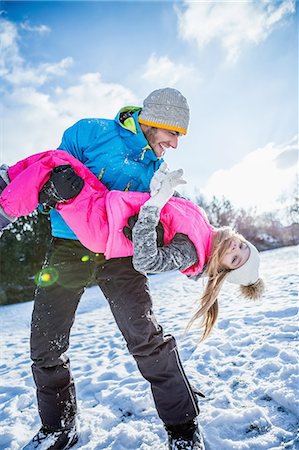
(158, 177)
(165, 185)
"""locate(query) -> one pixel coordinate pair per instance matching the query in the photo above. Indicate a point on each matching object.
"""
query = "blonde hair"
(208, 310)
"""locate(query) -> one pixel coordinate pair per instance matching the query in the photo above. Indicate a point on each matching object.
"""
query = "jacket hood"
(127, 118)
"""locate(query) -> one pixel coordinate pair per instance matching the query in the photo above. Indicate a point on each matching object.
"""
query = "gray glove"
(163, 185)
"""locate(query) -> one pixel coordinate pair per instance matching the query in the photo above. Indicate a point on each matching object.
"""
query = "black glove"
(127, 230)
(63, 185)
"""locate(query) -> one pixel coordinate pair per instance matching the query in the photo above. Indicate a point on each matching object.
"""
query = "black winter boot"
(185, 437)
(47, 439)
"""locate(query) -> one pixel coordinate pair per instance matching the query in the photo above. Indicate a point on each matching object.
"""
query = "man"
(124, 154)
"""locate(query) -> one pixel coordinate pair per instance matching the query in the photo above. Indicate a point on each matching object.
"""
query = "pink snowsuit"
(97, 216)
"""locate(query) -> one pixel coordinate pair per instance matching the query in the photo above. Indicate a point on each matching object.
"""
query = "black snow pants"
(67, 270)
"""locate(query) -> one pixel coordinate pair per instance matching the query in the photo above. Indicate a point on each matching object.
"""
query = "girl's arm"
(148, 257)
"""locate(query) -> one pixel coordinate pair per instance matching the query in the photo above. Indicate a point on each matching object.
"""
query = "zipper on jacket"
(101, 173)
(147, 147)
(143, 152)
(195, 406)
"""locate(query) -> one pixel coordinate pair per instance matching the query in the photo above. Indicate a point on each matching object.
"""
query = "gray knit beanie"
(165, 108)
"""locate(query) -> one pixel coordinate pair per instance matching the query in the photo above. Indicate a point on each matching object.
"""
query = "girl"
(228, 257)
(101, 220)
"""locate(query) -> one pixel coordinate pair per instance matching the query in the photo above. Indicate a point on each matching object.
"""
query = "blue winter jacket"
(117, 153)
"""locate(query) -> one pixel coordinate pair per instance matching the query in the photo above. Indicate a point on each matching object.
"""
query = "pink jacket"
(97, 216)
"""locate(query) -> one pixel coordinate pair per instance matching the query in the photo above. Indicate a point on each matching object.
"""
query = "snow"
(248, 368)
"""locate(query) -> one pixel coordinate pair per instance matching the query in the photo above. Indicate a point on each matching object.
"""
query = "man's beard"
(150, 135)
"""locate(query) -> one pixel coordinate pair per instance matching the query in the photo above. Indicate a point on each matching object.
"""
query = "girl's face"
(236, 255)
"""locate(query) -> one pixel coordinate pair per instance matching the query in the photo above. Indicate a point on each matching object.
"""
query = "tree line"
(24, 244)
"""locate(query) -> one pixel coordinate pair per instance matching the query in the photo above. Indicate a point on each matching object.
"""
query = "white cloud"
(92, 97)
(233, 23)
(34, 121)
(15, 70)
(39, 75)
(41, 29)
(259, 180)
(10, 56)
(35, 114)
(162, 70)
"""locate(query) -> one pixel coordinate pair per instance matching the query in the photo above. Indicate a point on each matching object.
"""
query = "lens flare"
(46, 277)
(85, 258)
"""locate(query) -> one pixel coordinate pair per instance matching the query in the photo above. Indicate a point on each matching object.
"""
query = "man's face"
(160, 139)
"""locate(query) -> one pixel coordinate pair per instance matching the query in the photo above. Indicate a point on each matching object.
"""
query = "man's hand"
(63, 185)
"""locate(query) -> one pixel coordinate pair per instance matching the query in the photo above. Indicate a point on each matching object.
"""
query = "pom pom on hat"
(248, 273)
(254, 290)
(165, 108)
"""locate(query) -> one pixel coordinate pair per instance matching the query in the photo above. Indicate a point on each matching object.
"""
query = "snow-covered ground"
(248, 368)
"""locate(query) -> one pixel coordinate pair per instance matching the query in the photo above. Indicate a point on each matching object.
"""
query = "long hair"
(216, 273)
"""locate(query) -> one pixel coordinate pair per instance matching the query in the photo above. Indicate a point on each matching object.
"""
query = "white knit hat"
(248, 273)
(165, 108)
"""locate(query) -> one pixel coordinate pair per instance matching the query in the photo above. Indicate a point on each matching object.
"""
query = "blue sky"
(236, 62)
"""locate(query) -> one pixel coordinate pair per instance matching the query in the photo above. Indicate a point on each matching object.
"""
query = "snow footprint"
(265, 351)
(289, 312)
